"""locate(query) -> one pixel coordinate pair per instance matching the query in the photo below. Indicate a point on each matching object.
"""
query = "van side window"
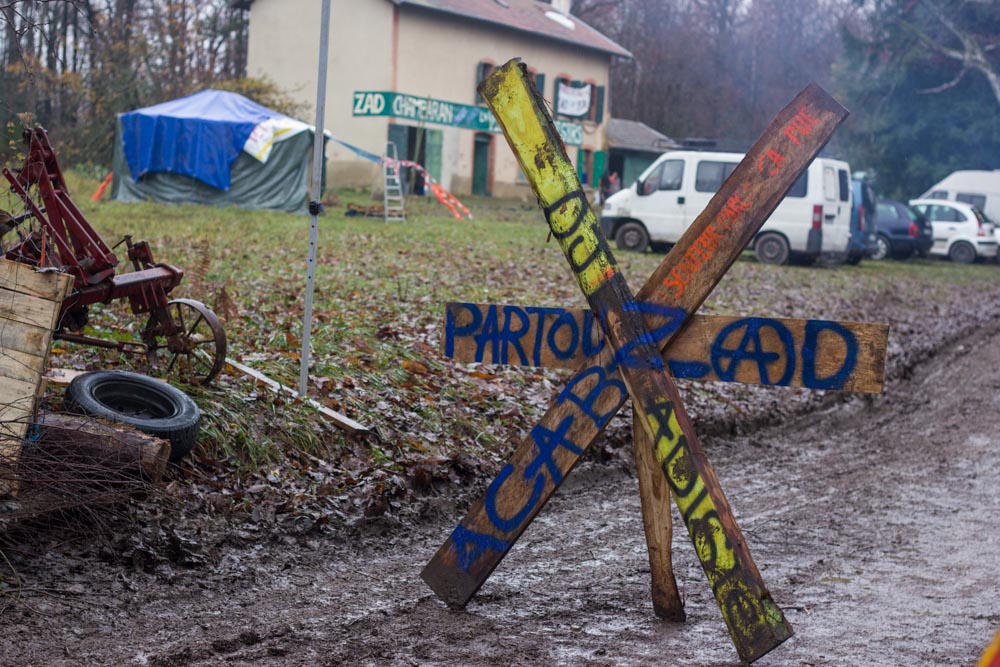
(710, 175)
(938, 194)
(800, 186)
(671, 174)
(979, 201)
(830, 187)
(845, 185)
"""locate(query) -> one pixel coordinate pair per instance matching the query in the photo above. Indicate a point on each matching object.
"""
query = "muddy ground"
(874, 521)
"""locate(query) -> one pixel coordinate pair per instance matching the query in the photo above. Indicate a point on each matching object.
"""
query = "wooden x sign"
(630, 365)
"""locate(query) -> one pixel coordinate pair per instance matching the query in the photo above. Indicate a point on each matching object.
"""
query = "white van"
(978, 188)
(813, 219)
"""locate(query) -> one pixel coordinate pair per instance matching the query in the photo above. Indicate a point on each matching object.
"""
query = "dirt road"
(875, 523)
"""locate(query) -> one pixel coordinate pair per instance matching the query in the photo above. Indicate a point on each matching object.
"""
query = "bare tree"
(973, 45)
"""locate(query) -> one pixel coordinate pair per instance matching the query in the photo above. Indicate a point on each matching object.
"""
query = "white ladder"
(392, 189)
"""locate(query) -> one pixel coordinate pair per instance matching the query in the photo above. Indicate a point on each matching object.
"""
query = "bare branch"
(944, 86)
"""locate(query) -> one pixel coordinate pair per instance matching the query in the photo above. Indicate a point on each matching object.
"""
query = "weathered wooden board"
(20, 366)
(27, 309)
(816, 354)
(654, 498)
(29, 306)
(342, 421)
(25, 338)
(26, 280)
(582, 410)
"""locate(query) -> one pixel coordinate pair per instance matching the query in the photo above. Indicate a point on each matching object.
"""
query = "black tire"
(771, 248)
(632, 236)
(962, 253)
(152, 406)
(883, 247)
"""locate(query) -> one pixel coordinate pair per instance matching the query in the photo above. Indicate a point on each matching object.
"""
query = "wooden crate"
(30, 301)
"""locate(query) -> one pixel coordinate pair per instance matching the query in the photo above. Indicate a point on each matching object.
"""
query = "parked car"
(863, 212)
(902, 231)
(812, 219)
(961, 232)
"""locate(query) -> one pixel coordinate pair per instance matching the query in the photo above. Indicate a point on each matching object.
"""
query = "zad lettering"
(368, 104)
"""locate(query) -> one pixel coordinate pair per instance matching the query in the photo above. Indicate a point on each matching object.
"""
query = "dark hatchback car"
(902, 231)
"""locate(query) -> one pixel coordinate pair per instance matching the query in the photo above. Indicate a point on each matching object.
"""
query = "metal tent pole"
(314, 204)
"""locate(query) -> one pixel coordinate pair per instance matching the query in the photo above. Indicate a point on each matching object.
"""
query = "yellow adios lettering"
(574, 225)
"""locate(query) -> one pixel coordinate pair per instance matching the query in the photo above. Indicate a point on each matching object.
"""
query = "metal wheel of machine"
(196, 353)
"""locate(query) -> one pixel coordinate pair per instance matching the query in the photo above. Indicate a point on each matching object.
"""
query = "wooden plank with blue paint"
(814, 354)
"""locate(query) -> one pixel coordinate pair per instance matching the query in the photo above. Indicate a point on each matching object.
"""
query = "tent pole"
(314, 204)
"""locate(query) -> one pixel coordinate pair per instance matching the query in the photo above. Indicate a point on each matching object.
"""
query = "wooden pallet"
(30, 303)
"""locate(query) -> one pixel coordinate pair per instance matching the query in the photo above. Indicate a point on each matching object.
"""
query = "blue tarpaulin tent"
(213, 147)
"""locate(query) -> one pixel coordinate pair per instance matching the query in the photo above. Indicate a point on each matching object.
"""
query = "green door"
(599, 167)
(481, 164)
(433, 154)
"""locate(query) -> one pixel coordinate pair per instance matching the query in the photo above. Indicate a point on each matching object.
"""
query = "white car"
(961, 232)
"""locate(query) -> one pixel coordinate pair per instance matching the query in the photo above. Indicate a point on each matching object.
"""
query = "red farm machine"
(181, 337)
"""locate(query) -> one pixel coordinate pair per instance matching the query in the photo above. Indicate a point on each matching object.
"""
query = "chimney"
(562, 6)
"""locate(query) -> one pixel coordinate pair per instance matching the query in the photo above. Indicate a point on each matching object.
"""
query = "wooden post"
(654, 498)
(30, 302)
(630, 364)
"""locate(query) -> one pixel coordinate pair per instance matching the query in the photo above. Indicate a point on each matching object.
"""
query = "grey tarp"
(282, 183)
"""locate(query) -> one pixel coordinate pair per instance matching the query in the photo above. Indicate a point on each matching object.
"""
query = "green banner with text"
(439, 112)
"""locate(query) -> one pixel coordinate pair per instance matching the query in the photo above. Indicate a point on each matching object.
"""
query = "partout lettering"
(751, 349)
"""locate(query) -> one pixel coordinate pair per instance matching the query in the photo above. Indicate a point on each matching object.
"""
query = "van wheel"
(962, 253)
(883, 247)
(632, 236)
(771, 248)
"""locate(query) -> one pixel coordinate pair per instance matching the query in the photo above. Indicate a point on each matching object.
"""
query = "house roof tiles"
(633, 135)
(527, 16)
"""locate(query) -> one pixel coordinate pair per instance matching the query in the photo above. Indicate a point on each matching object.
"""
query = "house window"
(483, 70)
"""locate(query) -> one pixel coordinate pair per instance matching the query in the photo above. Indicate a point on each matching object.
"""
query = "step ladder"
(392, 189)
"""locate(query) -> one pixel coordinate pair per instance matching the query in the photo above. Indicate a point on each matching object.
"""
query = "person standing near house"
(604, 185)
(615, 183)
